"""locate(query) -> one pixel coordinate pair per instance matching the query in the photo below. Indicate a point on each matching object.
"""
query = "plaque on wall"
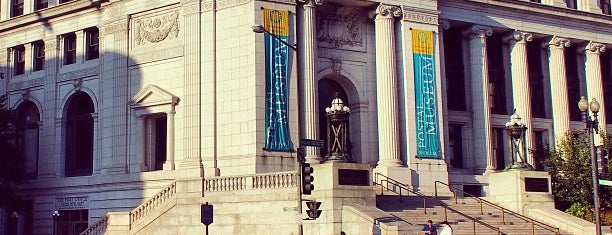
(353, 177)
(536, 185)
(72, 203)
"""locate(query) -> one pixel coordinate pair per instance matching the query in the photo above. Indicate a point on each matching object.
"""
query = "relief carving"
(341, 28)
(26, 84)
(87, 72)
(157, 29)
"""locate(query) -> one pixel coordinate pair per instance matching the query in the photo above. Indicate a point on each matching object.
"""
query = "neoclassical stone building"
(122, 101)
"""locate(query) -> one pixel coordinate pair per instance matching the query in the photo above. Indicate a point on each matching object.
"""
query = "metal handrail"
(503, 210)
(401, 186)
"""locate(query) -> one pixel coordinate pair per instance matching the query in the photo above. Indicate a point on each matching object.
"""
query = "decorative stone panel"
(420, 15)
(341, 28)
(156, 35)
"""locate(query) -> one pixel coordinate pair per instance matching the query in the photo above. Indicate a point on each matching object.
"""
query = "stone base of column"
(168, 166)
(426, 172)
(516, 189)
(189, 168)
(313, 159)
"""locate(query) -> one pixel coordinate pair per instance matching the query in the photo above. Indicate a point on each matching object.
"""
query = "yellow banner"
(422, 42)
(276, 21)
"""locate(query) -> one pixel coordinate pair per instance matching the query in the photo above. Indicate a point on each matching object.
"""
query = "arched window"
(327, 92)
(79, 135)
(27, 130)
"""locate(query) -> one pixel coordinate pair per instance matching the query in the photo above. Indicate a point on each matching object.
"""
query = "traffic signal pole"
(299, 220)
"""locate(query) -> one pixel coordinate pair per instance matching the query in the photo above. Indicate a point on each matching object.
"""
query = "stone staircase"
(465, 216)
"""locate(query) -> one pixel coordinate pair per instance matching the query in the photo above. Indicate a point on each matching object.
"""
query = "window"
(573, 4)
(40, 4)
(79, 135)
(455, 76)
(19, 60)
(497, 87)
(455, 138)
(69, 48)
(39, 56)
(72, 222)
(65, 1)
(16, 8)
(536, 79)
(92, 48)
(27, 131)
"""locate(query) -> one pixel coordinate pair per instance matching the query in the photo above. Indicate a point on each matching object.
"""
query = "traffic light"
(307, 179)
(313, 211)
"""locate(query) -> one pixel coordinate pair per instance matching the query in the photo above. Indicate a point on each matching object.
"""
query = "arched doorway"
(328, 90)
(79, 135)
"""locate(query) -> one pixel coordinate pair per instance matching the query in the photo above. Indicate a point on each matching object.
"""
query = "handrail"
(400, 185)
(144, 208)
(503, 210)
(96, 228)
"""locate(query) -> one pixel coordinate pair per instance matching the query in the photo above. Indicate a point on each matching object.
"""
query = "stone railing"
(159, 198)
(259, 181)
(97, 228)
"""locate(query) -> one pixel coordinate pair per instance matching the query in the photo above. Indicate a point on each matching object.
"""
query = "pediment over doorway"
(154, 99)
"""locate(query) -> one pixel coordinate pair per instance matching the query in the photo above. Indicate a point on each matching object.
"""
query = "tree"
(570, 168)
(12, 163)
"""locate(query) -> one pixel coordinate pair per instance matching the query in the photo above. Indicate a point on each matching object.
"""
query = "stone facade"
(174, 90)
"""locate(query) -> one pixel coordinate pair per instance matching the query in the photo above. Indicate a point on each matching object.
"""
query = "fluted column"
(192, 71)
(386, 86)
(308, 69)
(479, 73)
(593, 81)
(443, 25)
(120, 98)
(520, 84)
(558, 86)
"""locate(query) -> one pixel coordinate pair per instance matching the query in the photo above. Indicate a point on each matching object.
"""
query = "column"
(120, 98)
(386, 86)
(444, 24)
(307, 49)
(192, 72)
(558, 86)
(521, 93)
(169, 164)
(479, 73)
(593, 81)
(48, 164)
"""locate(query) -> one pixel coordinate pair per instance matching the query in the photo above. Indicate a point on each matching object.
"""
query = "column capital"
(520, 37)
(443, 24)
(311, 2)
(595, 47)
(558, 42)
(478, 31)
(387, 11)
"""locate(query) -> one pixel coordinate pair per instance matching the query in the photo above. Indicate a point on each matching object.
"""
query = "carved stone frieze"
(342, 55)
(16, 86)
(223, 4)
(86, 72)
(419, 15)
(595, 47)
(156, 28)
(341, 27)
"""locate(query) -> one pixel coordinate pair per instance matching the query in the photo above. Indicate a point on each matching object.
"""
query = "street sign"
(605, 182)
(312, 143)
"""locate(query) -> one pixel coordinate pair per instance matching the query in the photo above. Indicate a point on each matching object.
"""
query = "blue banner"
(277, 84)
(428, 134)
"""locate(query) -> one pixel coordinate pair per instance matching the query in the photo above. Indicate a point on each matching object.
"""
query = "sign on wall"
(277, 85)
(72, 203)
(427, 133)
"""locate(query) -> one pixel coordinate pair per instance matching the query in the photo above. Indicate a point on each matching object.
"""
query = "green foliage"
(12, 163)
(570, 167)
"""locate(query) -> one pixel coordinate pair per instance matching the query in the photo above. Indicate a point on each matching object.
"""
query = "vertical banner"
(425, 94)
(277, 84)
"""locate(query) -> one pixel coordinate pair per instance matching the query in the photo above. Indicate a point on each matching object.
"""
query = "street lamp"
(55, 216)
(338, 131)
(592, 125)
(516, 130)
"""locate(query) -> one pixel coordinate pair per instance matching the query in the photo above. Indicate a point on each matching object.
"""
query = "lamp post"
(516, 130)
(338, 131)
(55, 216)
(261, 29)
(591, 125)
